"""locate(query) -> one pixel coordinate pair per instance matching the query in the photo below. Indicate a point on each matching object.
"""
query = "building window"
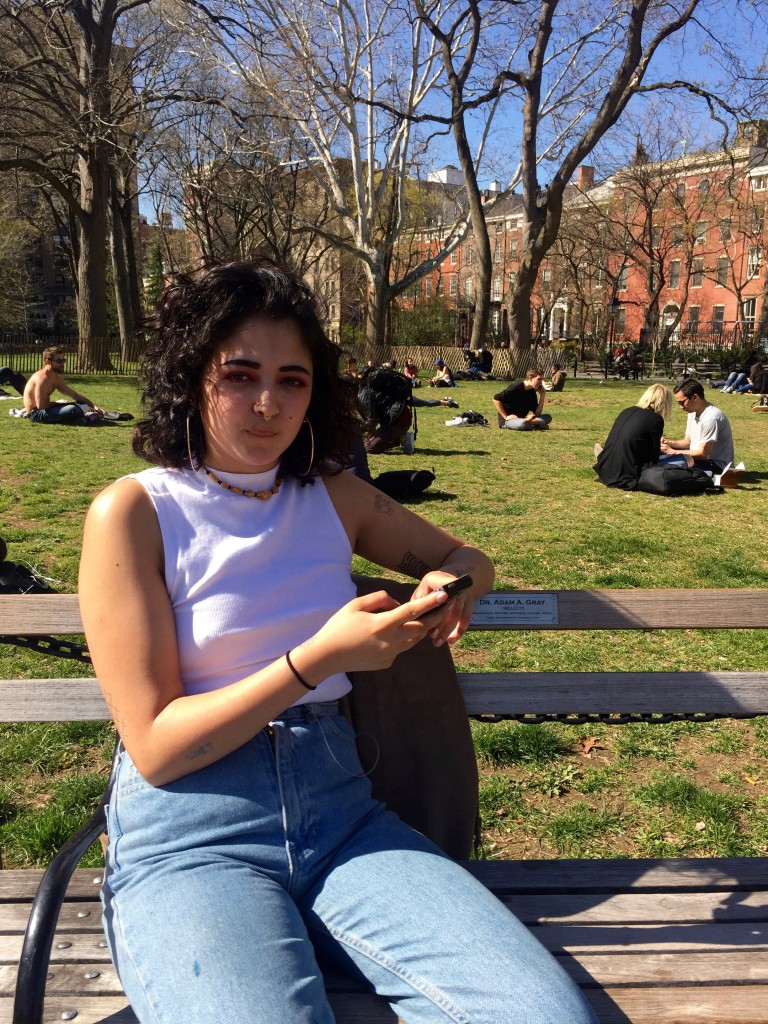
(440, 285)
(701, 232)
(513, 247)
(760, 183)
(753, 262)
(453, 284)
(497, 249)
(470, 255)
(725, 230)
(718, 319)
(697, 277)
(674, 274)
(655, 237)
(677, 234)
(693, 320)
(619, 322)
(748, 311)
(680, 191)
(758, 216)
(469, 288)
(496, 320)
(496, 293)
(427, 286)
(621, 280)
(722, 271)
(703, 189)
(511, 278)
(455, 257)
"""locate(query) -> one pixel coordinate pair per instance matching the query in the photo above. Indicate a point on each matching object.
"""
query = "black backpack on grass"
(675, 481)
(18, 579)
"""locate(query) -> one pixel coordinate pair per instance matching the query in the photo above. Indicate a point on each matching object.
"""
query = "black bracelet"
(299, 679)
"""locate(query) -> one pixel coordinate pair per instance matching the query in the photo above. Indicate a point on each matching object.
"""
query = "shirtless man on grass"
(42, 384)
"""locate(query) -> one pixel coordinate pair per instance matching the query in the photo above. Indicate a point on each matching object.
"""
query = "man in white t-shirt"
(708, 441)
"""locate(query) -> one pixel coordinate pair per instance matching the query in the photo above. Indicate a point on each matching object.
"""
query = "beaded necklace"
(259, 495)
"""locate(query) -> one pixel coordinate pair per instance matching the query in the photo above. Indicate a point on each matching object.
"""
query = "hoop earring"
(192, 465)
(311, 448)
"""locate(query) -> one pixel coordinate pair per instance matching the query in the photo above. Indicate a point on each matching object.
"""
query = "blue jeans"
(520, 424)
(72, 415)
(680, 460)
(224, 889)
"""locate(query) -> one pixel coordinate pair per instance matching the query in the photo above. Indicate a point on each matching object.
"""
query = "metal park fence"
(24, 353)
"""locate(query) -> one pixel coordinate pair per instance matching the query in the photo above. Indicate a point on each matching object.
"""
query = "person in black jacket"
(634, 441)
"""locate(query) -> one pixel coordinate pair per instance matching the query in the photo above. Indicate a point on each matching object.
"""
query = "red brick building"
(668, 253)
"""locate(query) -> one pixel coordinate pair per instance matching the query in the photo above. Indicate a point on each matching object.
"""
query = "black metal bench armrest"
(44, 915)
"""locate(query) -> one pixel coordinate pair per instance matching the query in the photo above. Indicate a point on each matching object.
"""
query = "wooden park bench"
(597, 368)
(703, 369)
(649, 941)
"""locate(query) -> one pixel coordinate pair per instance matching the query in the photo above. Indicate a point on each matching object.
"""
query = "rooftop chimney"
(585, 177)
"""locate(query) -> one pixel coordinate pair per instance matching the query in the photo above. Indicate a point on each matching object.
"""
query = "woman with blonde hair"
(634, 441)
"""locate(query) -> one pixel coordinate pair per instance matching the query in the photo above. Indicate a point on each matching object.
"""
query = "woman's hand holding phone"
(448, 621)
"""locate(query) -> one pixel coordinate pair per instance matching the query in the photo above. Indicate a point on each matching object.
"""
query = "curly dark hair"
(198, 311)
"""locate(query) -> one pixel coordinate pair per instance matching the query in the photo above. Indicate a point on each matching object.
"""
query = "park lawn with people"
(533, 503)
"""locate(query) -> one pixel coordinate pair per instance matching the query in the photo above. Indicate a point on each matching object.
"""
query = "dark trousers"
(16, 380)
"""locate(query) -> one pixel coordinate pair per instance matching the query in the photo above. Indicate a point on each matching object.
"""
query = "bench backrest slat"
(624, 609)
(576, 609)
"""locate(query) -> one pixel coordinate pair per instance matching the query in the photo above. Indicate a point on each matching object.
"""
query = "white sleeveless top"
(248, 579)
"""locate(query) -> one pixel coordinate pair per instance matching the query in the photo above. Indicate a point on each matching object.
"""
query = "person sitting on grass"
(634, 441)
(559, 377)
(41, 385)
(444, 376)
(411, 371)
(520, 405)
(708, 441)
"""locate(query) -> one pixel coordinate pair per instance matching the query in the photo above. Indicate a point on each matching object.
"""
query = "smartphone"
(456, 586)
(452, 589)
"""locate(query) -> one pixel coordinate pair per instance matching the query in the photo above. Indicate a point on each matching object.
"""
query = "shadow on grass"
(449, 451)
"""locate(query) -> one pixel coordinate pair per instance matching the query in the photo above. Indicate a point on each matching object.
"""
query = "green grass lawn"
(531, 501)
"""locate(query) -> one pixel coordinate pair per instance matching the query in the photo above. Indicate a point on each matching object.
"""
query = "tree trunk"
(376, 308)
(117, 250)
(93, 246)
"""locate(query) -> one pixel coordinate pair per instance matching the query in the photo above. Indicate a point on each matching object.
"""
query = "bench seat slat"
(665, 909)
(710, 874)
(604, 969)
(682, 1004)
(694, 1004)
(705, 874)
(641, 939)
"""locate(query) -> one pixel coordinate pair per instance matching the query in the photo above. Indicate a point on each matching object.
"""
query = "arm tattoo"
(383, 505)
(201, 751)
(413, 566)
(117, 718)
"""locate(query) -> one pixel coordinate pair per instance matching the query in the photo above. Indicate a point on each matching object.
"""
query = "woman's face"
(255, 394)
